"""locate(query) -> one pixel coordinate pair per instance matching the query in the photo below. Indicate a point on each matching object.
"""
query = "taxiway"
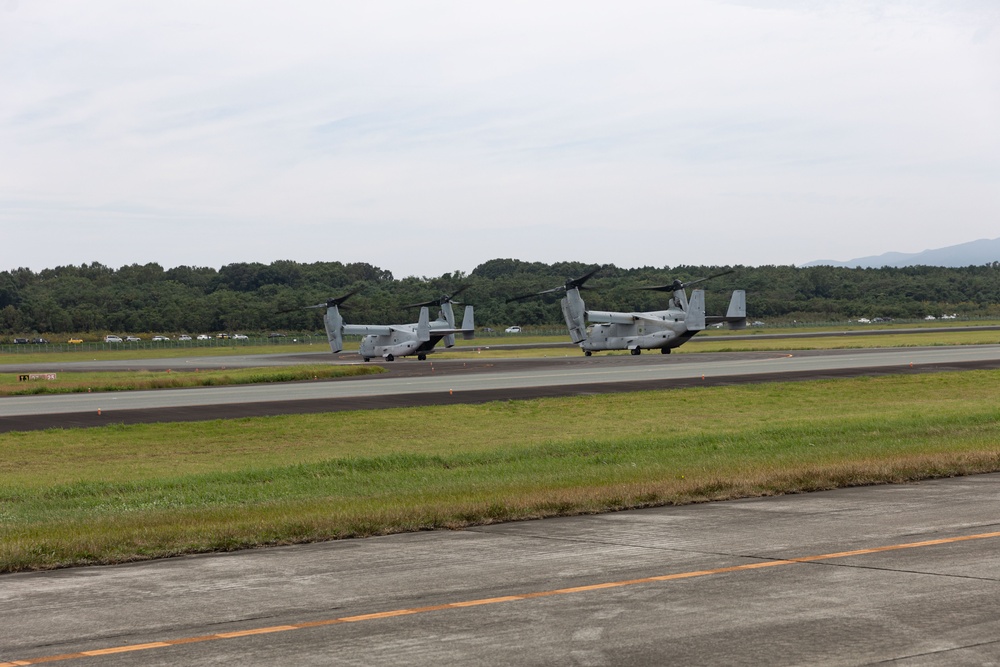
(903, 574)
(409, 382)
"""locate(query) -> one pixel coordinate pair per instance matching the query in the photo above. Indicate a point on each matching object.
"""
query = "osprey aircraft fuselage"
(402, 340)
(660, 330)
(398, 340)
(647, 330)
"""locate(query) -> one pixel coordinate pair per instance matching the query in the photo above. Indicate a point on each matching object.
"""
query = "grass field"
(79, 382)
(936, 338)
(122, 493)
(36, 355)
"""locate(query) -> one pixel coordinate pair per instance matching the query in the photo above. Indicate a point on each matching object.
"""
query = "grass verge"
(123, 493)
(73, 382)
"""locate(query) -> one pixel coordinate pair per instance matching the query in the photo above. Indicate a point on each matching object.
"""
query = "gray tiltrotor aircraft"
(399, 340)
(637, 331)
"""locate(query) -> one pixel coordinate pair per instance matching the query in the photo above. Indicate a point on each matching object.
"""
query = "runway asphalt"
(901, 575)
(414, 383)
(904, 575)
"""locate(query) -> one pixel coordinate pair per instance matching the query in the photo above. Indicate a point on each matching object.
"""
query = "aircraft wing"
(655, 317)
(367, 330)
(607, 317)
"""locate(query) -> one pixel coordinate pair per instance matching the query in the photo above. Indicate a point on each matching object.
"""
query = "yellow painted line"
(473, 603)
(498, 600)
(381, 614)
(126, 649)
(258, 631)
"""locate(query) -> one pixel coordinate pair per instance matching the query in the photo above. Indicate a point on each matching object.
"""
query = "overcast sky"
(429, 137)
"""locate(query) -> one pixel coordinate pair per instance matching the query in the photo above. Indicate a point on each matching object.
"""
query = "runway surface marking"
(497, 600)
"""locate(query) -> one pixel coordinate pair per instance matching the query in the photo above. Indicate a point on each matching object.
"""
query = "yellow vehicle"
(75, 341)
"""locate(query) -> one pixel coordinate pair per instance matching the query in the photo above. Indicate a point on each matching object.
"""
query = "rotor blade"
(443, 299)
(716, 275)
(461, 289)
(672, 287)
(422, 304)
(329, 303)
(678, 285)
(578, 282)
(573, 283)
(523, 297)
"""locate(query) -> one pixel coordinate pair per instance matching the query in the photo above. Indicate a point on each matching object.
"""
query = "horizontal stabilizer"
(736, 316)
(468, 326)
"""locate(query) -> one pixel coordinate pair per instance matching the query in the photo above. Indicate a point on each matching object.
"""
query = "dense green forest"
(253, 297)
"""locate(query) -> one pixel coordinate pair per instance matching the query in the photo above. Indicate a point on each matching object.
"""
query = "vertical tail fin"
(695, 318)
(449, 316)
(424, 325)
(469, 324)
(736, 316)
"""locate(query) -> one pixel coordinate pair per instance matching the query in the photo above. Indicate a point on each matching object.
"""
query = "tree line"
(257, 297)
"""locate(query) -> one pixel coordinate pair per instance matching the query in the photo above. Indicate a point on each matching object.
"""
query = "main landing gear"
(421, 357)
(389, 357)
(664, 350)
(636, 351)
(587, 353)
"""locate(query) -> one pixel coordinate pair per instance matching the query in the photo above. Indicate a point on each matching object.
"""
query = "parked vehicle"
(20, 341)
(184, 337)
(39, 341)
(241, 337)
(132, 339)
(161, 338)
(75, 341)
(512, 330)
(112, 339)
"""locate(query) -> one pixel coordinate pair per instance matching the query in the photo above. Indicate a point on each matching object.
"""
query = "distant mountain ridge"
(973, 253)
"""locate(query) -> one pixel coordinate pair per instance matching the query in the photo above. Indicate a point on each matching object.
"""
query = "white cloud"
(428, 137)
